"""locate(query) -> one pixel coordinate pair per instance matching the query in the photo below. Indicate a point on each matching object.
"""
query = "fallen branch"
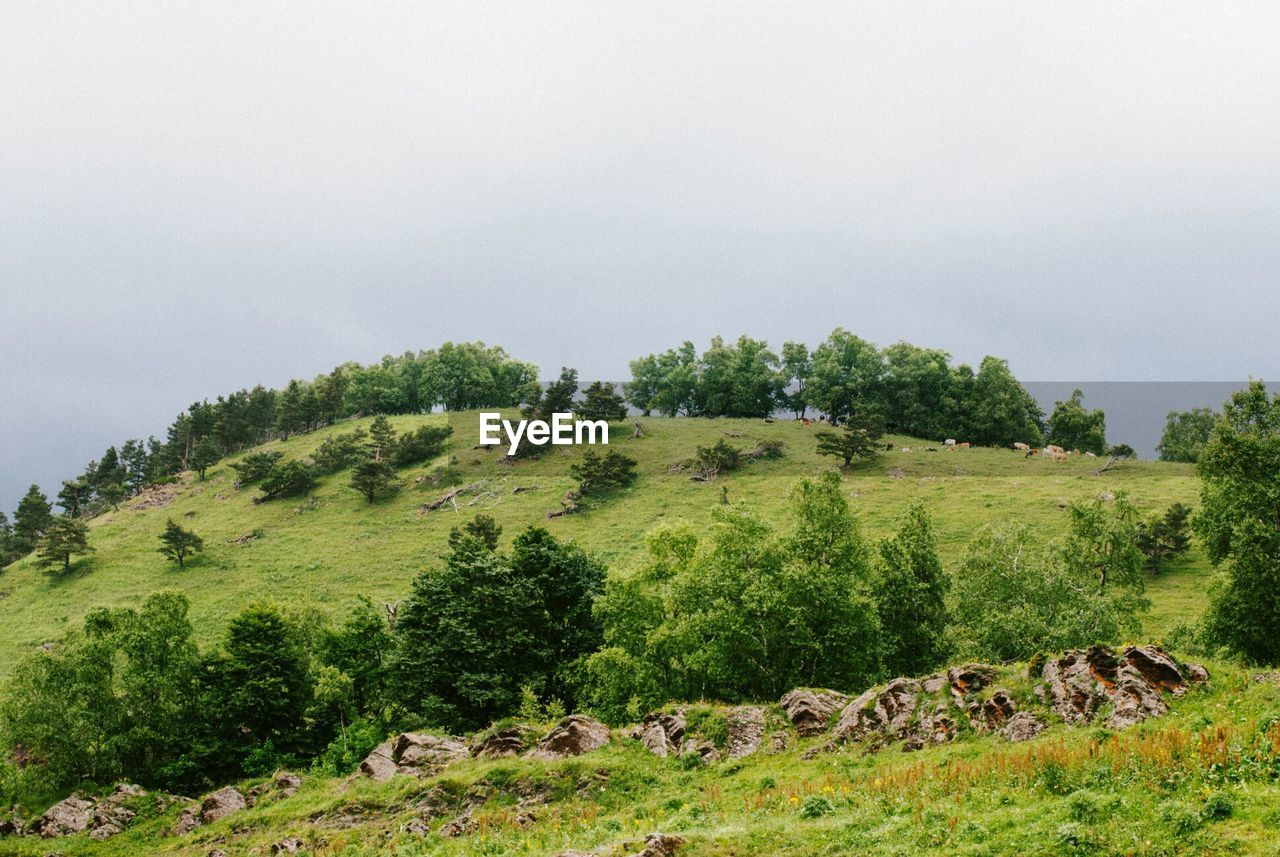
(449, 497)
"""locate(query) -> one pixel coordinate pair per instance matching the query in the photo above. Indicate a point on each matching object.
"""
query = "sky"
(198, 197)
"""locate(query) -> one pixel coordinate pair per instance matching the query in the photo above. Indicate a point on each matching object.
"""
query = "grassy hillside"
(321, 552)
(1196, 781)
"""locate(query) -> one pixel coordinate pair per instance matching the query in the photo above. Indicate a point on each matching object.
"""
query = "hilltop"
(321, 552)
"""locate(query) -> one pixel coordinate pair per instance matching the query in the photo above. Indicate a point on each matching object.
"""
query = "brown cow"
(1053, 448)
(1019, 446)
(1059, 456)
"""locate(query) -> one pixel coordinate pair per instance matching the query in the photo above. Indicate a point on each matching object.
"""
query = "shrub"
(597, 474)
(1218, 806)
(816, 806)
(340, 451)
(256, 466)
(288, 479)
(421, 445)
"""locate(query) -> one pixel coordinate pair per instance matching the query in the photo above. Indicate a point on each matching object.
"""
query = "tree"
(1101, 544)
(483, 530)
(340, 451)
(382, 438)
(73, 497)
(665, 382)
(8, 551)
(597, 474)
(992, 408)
(32, 518)
(858, 438)
(268, 678)
(1013, 598)
(1073, 427)
(601, 402)
(847, 371)
(65, 537)
(204, 456)
(288, 479)
(1166, 536)
(177, 543)
(422, 444)
(134, 456)
(797, 365)
(359, 648)
(910, 592)
(557, 398)
(917, 383)
(1185, 434)
(373, 477)
(255, 466)
(1239, 523)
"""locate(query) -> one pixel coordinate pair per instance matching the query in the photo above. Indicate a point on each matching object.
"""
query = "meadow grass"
(321, 552)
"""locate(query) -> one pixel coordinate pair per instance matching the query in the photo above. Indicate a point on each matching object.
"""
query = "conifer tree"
(32, 518)
(178, 543)
(65, 538)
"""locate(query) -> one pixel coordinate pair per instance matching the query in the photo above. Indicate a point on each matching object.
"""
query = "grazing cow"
(1052, 448)
(951, 441)
(888, 447)
(964, 445)
(1059, 456)
(1019, 446)
(1090, 455)
(805, 421)
(1030, 452)
(906, 449)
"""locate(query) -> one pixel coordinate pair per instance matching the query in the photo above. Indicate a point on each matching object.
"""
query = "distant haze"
(198, 197)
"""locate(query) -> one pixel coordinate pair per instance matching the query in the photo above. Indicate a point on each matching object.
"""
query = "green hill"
(323, 551)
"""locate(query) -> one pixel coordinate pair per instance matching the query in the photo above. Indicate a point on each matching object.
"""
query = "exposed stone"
(810, 711)
(1135, 698)
(287, 784)
(573, 736)
(660, 845)
(460, 826)
(70, 815)
(1077, 682)
(967, 679)
(1022, 726)
(188, 820)
(220, 804)
(997, 709)
(1135, 681)
(888, 711)
(288, 845)
(661, 733)
(508, 741)
(746, 730)
(413, 753)
(779, 741)
(705, 750)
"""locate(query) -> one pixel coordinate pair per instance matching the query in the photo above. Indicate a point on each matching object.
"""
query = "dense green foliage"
(1162, 537)
(178, 543)
(859, 436)
(1240, 523)
(1186, 433)
(600, 401)
(910, 594)
(64, 538)
(1071, 426)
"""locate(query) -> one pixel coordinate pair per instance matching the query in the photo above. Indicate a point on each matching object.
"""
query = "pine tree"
(862, 429)
(133, 455)
(205, 455)
(8, 553)
(33, 517)
(74, 496)
(601, 402)
(373, 477)
(178, 543)
(65, 538)
(382, 437)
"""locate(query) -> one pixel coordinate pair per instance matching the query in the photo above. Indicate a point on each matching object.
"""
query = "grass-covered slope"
(1200, 779)
(323, 551)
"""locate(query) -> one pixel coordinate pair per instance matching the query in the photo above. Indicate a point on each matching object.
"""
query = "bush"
(597, 474)
(421, 445)
(721, 457)
(340, 451)
(1218, 806)
(816, 806)
(255, 466)
(288, 479)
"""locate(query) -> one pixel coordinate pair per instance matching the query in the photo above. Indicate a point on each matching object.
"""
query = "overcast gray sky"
(196, 197)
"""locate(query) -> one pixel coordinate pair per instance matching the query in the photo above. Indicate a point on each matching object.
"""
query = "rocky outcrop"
(661, 732)
(746, 731)
(508, 741)
(415, 754)
(78, 814)
(220, 804)
(660, 845)
(67, 816)
(1022, 726)
(810, 711)
(1134, 681)
(573, 736)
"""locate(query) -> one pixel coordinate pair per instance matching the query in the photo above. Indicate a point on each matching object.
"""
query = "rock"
(509, 741)
(966, 679)
(573, 736)
(746, 730)
(417, 827)
(188, 821)
(460, 826)
(934, 683)
(810, 710)
(1197, 673)
(705, 750)
(67, 816)
(378, 764)
(225, 801)
(217, 852)
(287, 784)
(1022, 726)
(414, 753)
(660, 845)
(779, 741)
(288, 845)
(1135, 681)
(888, 712)
(425, 754)
(993, 713)
(13, 825)
(661, 732)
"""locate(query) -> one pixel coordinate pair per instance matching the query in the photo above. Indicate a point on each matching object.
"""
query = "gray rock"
(573, 736)
(810, 711)
(217, 805)
(746, 730)
(67, 816)
(1022, 726)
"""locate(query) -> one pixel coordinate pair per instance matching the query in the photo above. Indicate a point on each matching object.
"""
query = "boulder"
(888, 712)
(426, 755)
(704, 750)
(573, 736)
(660, 845)
(779, 741)
(1078, 682)
(661, 733)
(1022, 726)
(1134, 681)
(1135, 698)
(70, 815)
(968, 679)
(810, 711)
(287, 784)
(188, 820)
(508, 741)
(460, 826)
(746, 730)
(225, 801)
(995, 711)
(288, 845)
(414, 753)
